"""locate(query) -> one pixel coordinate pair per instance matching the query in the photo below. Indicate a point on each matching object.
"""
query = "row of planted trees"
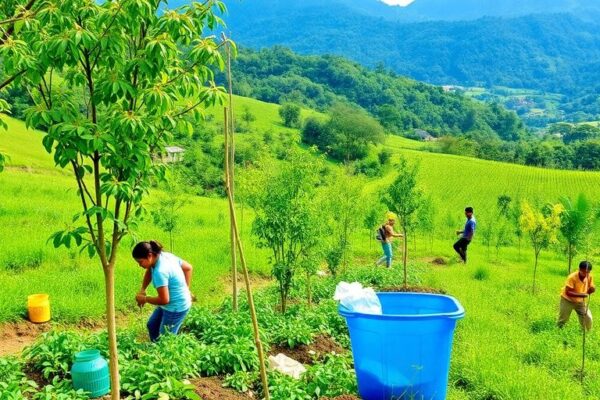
(307, 213)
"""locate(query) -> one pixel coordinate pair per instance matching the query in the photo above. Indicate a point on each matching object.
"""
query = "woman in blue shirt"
(171, 277)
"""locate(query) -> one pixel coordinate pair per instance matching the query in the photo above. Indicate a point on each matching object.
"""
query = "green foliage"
(578, 133)
(290, 115)
(404, 198)
(481, 274)
(14, 384)
(400, 104)
(285, 387)
(18, 262)
(334, 377)
(575, 225)
(168, 212)
(342, 212)
(53, 354)
(542, 227)
(350, 131)
(112, 132)
(60, 389)
(286, 216)
(242, 381)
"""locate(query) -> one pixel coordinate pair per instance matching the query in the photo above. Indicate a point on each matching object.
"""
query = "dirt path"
(14, 337)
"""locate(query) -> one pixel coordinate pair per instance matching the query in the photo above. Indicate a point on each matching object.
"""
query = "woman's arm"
(161, 300)
(146, 281)
(187, 272)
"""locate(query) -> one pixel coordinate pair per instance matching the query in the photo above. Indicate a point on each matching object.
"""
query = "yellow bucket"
(38, 307)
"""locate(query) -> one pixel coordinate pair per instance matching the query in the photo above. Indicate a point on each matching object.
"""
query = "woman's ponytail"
(144, 249)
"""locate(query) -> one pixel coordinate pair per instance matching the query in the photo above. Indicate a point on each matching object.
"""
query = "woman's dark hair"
(144, 249)
(585, 265)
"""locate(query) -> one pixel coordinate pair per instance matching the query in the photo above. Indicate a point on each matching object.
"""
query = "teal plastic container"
(405, 352)
(90, 373)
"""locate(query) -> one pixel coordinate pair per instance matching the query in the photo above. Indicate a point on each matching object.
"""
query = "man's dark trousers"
(461, 248)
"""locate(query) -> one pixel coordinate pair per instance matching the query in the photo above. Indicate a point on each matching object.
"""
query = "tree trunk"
(283, 294)
(404, 256)
(111, 324)
(535, 270)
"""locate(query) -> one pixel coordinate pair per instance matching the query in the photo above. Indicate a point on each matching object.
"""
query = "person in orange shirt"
(578, 287)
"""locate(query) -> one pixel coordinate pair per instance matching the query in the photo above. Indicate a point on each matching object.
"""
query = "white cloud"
(402, 3)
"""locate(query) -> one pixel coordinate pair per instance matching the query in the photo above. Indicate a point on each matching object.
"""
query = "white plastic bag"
(356, 298)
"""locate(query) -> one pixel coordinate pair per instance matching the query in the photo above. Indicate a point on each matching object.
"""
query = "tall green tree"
(290, 115)
(542, 227)
(404, 198)
(136, 88)
(350, 132)
(575, 225)
(18, 23)
(344, 209)
(286, 214)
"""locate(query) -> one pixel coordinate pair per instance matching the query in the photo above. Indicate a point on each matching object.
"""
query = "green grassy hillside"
(506, 347)
(38, 199)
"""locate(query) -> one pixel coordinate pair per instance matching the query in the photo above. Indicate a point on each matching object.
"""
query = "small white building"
(424, 135)
(174, 154)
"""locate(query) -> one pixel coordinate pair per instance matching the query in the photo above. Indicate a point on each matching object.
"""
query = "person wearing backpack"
(385, 234)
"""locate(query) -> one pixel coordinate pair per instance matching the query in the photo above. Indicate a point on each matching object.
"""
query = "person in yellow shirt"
(578, 287)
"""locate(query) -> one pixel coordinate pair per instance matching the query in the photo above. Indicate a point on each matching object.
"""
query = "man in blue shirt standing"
(467, 235)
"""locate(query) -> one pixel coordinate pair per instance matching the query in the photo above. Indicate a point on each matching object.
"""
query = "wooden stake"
(230, 167)
(259, 348)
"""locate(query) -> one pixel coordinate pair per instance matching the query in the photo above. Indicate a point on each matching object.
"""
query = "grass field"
(37, 201)
(507, 347)
(451, 181)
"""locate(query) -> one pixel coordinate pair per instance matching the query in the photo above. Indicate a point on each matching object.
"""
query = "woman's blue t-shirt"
(167, 272)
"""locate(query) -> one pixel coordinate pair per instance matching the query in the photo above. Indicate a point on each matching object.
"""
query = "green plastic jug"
(90, 373)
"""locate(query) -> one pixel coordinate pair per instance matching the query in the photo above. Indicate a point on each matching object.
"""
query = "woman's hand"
(140, 298)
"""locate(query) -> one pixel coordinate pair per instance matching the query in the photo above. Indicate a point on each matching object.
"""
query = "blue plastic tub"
(405, 352)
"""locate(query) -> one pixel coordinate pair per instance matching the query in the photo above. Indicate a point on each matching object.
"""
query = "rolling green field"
(38, 199)
(507, 347)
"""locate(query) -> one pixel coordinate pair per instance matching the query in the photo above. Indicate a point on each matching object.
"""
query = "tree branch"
(84, 202)
(11, 79)
(11, 28)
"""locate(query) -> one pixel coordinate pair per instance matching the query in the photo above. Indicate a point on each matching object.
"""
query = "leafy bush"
(13, 381)
(60, 389)
(291, 332)
(53, 353)
(156, 371)
(242, 381)
(285, 387)
(332, 378)
(481, 274)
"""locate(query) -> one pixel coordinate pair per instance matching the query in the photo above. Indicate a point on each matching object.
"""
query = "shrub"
(481, 274)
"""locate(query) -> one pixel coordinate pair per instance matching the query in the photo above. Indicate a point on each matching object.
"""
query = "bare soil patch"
(15, 336)
(307, 354)
(212, 389)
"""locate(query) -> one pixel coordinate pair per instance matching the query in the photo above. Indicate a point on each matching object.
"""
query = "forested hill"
(278, 75)
(551, 52)
(460, 10)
